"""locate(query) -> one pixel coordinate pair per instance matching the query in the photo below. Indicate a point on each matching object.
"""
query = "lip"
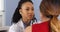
(30, 15)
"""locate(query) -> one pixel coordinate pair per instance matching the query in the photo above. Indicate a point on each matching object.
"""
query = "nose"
(31, 11)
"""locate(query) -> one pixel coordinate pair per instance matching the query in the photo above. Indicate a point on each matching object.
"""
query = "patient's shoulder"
(40, 25)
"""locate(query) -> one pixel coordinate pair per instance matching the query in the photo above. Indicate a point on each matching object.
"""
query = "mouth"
(30, 16)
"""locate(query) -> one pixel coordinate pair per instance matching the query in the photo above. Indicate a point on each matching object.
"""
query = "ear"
(20, 11)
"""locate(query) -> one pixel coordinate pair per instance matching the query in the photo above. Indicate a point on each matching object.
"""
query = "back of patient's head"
(50, 8)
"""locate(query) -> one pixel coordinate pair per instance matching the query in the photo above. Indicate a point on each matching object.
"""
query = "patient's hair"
(50, 7)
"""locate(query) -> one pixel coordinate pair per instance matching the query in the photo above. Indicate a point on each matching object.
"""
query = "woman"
(49, 8)
(23, 16)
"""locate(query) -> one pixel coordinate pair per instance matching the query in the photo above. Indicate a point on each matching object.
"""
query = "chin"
(30, 18)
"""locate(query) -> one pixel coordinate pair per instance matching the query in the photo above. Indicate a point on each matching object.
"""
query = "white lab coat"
(18, 27)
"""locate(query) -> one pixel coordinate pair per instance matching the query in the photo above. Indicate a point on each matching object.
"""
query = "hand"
(28, 29)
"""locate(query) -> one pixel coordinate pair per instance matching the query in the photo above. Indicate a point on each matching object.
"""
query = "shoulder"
(41, 26)
(13, 28)
(17, 27)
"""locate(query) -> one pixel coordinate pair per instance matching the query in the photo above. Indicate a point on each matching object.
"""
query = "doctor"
(23, 16)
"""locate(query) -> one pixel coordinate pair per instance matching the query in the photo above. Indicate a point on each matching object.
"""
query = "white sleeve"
(12, 28)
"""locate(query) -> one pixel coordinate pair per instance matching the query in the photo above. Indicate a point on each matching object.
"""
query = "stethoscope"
(34, 20)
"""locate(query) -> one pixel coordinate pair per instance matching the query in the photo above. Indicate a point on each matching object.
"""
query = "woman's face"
(27, 10)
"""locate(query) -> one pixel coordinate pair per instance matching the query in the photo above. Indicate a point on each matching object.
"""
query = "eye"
(27, 9)
(32, 9)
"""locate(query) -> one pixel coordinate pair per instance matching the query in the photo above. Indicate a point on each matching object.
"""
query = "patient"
(49, 8)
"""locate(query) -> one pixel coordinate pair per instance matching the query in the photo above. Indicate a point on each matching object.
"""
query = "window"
(1, 13)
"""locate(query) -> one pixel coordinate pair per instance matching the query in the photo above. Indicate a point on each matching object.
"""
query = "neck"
(45, 19)
(26, 21)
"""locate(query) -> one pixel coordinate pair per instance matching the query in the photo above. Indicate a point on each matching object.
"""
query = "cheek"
(33, 13)
(27, 15)
(41, 16)
(24, 14)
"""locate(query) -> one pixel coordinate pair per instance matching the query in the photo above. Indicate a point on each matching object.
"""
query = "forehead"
(27, 4)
